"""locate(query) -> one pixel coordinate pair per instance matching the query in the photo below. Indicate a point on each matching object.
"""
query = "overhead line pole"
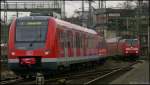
(90, 14)
(148, 42)
(127, 23)
(82, 12)
(99, 2)
(5, 12)
(64, 9)
(139, 16)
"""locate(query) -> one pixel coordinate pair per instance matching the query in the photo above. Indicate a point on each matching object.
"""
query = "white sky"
(70, 7)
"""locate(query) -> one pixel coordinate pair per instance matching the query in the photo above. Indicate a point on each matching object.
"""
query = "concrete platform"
(138, 75)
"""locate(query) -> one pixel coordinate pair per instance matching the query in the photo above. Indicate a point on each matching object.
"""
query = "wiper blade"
(36, 38)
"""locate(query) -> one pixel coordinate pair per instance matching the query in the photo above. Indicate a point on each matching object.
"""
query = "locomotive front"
(132, 47)
(28, 44)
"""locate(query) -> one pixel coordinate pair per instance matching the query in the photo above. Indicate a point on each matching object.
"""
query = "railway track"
(66, 76)
(105, 75)
(15, 81)
(83, 77)
(10, 81)
(88, 77)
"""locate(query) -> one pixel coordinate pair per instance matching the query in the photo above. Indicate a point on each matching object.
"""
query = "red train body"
(130, 47)
(42, 43)
(123, 47)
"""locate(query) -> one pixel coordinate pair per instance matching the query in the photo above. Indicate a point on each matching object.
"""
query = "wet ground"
(138, 75)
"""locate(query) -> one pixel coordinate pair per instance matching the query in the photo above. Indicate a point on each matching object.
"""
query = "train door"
(87, 45)
(84, 45)
(70, 44)
(81, 44)
(90, 45)
(74, 45)
(62, 38)
(77, 44)
(65, 44)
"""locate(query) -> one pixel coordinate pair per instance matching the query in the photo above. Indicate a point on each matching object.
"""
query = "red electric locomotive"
(126, 48)
(130, 47)
(43, 43)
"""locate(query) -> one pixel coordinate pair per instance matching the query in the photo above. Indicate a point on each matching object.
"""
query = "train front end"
(28, 44)
(132, 48)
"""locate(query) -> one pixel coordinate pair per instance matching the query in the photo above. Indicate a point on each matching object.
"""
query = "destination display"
(31, 23)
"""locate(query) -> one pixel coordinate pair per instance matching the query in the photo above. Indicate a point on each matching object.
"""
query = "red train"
(128, 48)
(43, 43)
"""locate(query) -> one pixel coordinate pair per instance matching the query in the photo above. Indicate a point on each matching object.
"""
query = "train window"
(65, 39)
(61, 38)
(90, 42)
(86, 41)
(94, 42)
(132, 41)
(77, 41)
(76, 37)
(69, 39)
(80, 40)
(37, 34)
(30, 31)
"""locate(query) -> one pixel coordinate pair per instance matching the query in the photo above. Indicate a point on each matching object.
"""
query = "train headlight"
(136, 51)
(47, 52)
(12, 53)
(126, 51)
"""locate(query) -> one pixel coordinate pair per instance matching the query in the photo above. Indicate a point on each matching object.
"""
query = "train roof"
(115, 39)
(74, 26)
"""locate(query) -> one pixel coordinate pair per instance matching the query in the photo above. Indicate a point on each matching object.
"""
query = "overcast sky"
(70, 7)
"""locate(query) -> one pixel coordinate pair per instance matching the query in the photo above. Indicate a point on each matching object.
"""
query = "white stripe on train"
(62, 59)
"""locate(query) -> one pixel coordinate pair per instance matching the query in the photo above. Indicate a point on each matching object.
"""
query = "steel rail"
(100, 77)
(70, 76)
(4, 82)
(105, 75)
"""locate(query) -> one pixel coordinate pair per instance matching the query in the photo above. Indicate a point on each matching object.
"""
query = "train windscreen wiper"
(36, 38)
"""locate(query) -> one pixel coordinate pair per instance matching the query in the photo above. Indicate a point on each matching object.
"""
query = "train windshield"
(31, 31)
(132, 42)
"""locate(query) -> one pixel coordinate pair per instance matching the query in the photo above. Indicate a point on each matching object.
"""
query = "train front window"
(31, 31)
(132, 42)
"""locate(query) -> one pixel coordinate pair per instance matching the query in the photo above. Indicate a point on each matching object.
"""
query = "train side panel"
(45, 47)
(112, 46)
